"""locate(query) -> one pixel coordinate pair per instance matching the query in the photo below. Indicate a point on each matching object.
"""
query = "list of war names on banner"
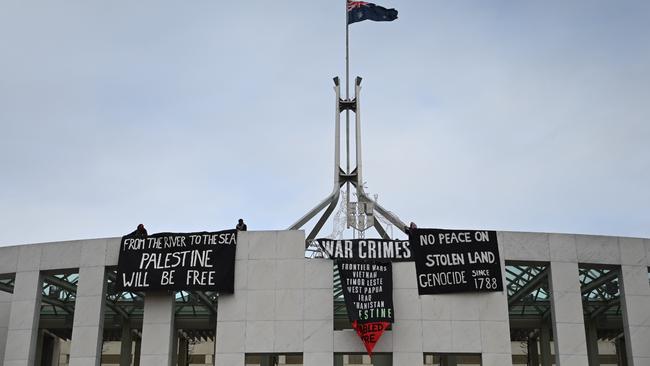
(367, 290)
(449, 261)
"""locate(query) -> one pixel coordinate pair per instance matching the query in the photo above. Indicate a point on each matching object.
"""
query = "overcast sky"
(187, 115)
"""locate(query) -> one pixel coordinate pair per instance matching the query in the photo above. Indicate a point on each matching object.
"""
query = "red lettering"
(370, 333)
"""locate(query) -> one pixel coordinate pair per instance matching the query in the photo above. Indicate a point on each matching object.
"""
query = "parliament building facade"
(569, 300)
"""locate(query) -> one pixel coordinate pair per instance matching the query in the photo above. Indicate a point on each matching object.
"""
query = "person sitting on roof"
(140, 232)
(412, 226)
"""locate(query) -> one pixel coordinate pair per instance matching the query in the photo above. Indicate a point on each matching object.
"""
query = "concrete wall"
(283, 302)
(5, 309)
(267, 312)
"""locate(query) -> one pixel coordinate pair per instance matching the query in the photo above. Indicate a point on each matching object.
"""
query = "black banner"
(449, 261)
(178, 261)
(366, 249)
(368, 290)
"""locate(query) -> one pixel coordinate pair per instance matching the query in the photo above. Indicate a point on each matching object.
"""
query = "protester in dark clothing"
(241, 226)
(407, 229)
(140, 232)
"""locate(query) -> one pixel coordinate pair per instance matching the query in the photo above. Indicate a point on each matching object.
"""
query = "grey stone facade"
(283, 303)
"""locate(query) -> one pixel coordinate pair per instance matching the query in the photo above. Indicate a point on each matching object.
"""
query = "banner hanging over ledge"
(448, 261)
(368, 293)
(368, 290)
(365, 249)
(178, 261)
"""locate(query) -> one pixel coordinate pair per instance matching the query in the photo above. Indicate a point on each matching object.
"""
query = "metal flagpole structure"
(347, 97)
(347, 52)
(365, 207)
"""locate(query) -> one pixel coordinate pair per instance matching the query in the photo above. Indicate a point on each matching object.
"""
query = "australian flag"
(361, 10)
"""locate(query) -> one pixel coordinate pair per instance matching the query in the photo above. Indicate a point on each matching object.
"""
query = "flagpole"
(347, 112)
(347, 53)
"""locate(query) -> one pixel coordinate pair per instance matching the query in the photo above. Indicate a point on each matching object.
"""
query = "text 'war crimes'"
(367, 249)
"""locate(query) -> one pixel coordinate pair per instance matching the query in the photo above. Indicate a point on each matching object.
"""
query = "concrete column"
(5, 308)
(533, 353)
(136, 352)
(57, 352)
(157, 329)
(635, 300)
(495, 324)
(175, 339)
(126, 344)
(592, 343)
(545, 345)
(231, 327)
(322, 358)
(49, 351)
(621, 354)
(182, 351)
(567, 315)
(38, 359)
(24, 314)
(230, 332)
(88, 324)
(318, 325)
(407, 331)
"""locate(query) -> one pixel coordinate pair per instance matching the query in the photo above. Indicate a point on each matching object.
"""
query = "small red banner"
(370, 333)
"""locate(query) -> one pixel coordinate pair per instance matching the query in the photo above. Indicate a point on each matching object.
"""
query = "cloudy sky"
(187, 115)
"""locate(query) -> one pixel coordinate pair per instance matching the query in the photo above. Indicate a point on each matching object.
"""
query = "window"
(529, 308)
(273, 359)
(362, 359)
(451, 359)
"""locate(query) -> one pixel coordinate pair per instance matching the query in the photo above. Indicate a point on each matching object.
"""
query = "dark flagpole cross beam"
(355, 11)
